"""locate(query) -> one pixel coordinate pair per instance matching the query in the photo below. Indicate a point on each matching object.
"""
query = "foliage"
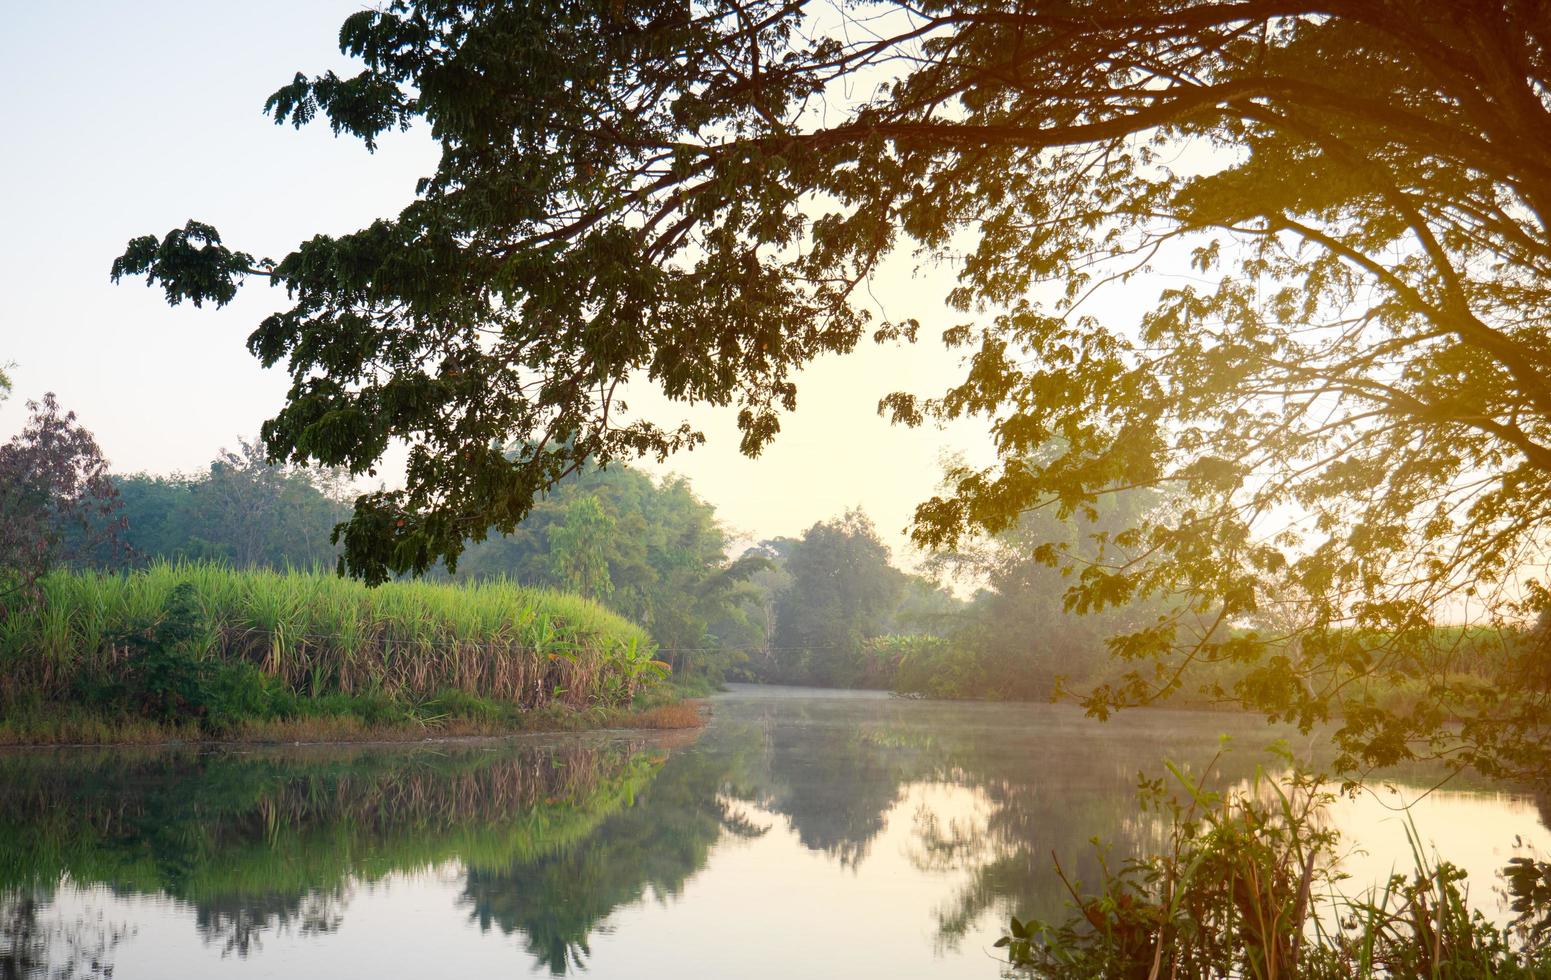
(576, 549)
(760, 602)
(166, 681)
(841, 594)
(242, 510)
(1020, 637)
(53, 485)
(926, 607)
(207, 642)
(931, 666)
(1248, 887)
(650, 550)
(658, 547)
(820, 609)
(1357, 189)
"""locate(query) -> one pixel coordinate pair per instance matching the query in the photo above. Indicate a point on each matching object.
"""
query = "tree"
(760, 603)
(842, 592)
(576, 548)
(241, 510)
(664, 558)
(252, 512)
(53, 486)
(1019, 637)
(1351, 405)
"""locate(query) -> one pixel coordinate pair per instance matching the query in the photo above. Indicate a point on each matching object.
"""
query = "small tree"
(54, 488)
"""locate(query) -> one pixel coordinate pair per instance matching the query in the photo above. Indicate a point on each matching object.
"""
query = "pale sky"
(126, 119)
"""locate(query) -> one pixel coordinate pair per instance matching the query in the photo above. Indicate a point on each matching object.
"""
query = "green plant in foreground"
(166, 681)
(1247, 887)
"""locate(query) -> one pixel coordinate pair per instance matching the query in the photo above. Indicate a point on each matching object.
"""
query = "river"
(802, 833)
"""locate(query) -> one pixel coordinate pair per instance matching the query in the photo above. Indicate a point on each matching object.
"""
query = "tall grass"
(316, 634)
(1249, 887)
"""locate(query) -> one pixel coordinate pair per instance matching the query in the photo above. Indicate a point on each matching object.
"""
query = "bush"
(166, 680)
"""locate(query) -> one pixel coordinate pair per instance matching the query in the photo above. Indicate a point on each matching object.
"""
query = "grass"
(1249, 885)
(684, 714)
(190, 650)
(67, 725)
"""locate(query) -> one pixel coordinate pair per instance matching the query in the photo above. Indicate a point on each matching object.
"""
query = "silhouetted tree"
(55, 498)
(1351, 400)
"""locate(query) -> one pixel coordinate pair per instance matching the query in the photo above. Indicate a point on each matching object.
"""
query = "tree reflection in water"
(35, 946)
(989, 795)
(548, 841)
(271, 841)
(236, 924)
(558, 900)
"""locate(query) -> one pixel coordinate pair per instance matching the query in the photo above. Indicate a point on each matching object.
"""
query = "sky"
(129, 119)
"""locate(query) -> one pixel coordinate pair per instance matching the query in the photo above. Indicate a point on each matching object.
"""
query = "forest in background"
(829, 607)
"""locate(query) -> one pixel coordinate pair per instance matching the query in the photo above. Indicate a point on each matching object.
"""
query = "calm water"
(813, 834)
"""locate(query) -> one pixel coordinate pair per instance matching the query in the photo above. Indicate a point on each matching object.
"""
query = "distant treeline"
(239, 510)
(826, 608)
(836, 612)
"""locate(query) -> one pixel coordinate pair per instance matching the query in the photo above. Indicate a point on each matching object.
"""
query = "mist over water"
(804, 832)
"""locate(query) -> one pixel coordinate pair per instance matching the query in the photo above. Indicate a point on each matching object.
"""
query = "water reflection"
(557, 899)
(892, 837)
(261, 842)
(36, 944)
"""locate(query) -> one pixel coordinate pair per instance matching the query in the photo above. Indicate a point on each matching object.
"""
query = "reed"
(1249, 887)
(315, 635)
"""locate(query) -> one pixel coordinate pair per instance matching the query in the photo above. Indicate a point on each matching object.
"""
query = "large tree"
(842, 592)
(1350, 405)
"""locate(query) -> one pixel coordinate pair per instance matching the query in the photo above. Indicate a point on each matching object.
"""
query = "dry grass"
(684, 714)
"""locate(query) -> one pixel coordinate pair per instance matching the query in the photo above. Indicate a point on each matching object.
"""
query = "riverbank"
(61, 727)
(203, 652)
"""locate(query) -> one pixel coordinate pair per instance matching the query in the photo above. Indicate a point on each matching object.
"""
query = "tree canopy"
(1349, 403)
(842, 591)
(1018, 638)
(56, 501)
(241, 510)
(648, 549)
